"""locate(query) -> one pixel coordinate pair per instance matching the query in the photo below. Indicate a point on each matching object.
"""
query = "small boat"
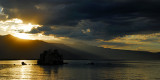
(91, 63)
(23, 63)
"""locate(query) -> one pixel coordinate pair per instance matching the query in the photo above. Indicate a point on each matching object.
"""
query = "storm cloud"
(87, 19)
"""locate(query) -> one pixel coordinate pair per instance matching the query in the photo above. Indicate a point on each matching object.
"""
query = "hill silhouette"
(14, 48)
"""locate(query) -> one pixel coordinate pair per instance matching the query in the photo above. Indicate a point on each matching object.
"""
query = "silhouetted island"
(50, 57)
(23, 63)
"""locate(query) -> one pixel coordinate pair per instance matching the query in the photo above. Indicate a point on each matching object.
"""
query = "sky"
(116, 24)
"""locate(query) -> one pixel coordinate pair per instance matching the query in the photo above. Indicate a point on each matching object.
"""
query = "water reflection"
(116, 71)
(18, 62)
(25, 72)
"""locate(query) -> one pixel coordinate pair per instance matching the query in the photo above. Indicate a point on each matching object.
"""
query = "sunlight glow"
(18, 28)
(39, 36)
(16, 25)
(22, 35)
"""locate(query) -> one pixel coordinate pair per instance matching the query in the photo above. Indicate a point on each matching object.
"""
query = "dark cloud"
(74, 18)
(85, 29)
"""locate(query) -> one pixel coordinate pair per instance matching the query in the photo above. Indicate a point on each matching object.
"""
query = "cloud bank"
(87, 19)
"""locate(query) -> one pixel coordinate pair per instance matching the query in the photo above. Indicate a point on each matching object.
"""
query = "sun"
(18, 28)
(22, 36)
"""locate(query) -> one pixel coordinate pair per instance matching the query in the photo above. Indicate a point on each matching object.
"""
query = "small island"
(50, 57)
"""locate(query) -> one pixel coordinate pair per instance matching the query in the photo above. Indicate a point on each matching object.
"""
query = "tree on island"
(50, 57)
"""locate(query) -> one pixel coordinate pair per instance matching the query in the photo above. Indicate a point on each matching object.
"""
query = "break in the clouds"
(139, 42)
(87, 19)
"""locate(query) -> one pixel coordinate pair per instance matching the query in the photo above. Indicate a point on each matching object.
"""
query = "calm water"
(80, 70)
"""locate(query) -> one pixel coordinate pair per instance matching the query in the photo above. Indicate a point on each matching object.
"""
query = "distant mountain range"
(14, 48)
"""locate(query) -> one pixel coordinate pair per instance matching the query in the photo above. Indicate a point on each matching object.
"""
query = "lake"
(80, 70)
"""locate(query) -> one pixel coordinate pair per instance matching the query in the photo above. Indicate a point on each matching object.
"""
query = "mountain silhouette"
(14, 48)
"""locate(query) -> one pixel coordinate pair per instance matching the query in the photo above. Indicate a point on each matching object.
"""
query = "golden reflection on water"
(24, 72)
(135, 71)
(34, 72)
(18, 62)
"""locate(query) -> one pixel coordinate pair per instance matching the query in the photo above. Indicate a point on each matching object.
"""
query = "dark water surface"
(81, 70)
